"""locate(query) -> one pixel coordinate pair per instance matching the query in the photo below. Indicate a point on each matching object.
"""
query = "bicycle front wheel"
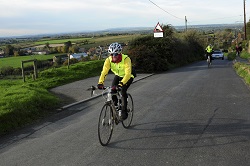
(130, 107)
(105, 125)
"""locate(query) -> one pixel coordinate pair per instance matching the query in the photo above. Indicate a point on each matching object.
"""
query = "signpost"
(158, 31)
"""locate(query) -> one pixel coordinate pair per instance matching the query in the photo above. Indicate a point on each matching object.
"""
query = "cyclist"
(209, 52)
(120, 65)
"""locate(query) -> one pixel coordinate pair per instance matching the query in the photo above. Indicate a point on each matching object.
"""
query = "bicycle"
(110, 114)
(208, 61)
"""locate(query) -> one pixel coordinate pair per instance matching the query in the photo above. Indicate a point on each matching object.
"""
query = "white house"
(40, 52)
(78, 56)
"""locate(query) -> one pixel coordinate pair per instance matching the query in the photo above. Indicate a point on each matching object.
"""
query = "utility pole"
(186, 23)
(245, 27)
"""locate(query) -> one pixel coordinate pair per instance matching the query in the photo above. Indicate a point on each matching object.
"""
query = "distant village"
(97, 52)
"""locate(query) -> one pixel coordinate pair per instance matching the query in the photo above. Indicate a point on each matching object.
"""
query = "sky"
(32, 17)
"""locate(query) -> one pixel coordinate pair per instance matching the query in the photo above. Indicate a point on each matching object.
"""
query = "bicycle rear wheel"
(130, 107)
(105, 124)
(208, 62)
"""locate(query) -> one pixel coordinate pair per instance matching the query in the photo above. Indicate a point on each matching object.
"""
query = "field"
(16, 61)
(96, 40)
(60, 41)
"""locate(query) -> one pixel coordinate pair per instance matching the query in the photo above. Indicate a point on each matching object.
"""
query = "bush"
(231, 56)
(17, 71)
(6, 70)
(149, 54)
(71, 61)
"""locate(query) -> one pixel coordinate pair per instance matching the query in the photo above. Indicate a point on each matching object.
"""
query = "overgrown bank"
(243, 70)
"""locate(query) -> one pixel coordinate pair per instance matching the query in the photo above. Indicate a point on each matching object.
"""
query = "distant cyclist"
(209, 52)
(120, 65)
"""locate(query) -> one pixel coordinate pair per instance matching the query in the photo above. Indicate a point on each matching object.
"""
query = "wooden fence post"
(35, 75)
(35, 69)
(23, 72)
(68, 59)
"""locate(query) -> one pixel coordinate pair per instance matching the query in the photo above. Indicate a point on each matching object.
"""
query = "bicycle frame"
(107, 95)
(111, 102)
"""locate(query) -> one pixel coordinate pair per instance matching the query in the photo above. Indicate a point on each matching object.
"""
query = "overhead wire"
(165, 10)
(188, 21)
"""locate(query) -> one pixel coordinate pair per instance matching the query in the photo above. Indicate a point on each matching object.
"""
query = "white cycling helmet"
(115, 48)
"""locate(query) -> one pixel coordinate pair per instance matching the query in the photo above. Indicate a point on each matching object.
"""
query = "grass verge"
(243, 70)
(23, 103)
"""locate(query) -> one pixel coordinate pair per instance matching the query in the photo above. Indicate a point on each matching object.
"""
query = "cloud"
(77, 15)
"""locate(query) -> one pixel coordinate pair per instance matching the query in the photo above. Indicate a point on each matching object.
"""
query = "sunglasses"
(115, 54)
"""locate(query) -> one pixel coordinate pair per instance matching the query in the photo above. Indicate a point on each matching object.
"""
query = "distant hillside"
(133, 30)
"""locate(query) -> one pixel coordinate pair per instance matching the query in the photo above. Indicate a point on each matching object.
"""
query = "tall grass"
(243, 70)
(245, 55)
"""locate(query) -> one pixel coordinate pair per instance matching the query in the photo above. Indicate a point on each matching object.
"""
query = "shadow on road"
(182, 134)
(202, 65)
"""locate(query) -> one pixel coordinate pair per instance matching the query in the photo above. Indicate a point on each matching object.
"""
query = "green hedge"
(151, 54)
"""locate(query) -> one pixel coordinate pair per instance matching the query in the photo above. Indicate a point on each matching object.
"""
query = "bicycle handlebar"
(93, 88)
(104, 87)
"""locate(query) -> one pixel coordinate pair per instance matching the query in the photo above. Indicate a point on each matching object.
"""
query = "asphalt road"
(190, 116)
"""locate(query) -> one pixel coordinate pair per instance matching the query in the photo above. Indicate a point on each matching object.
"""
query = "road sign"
(158, 28)
(158, 31)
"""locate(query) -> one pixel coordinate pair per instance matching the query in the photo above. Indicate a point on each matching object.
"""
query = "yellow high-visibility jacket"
(209, 49)
(122, 69)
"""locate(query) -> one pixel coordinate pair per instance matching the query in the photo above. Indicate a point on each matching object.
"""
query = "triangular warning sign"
(158, 28)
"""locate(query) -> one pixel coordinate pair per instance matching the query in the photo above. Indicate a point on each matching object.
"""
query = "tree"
(47, 46)
(16, 53)
(66, 46)
(9, 50)
(74, 49)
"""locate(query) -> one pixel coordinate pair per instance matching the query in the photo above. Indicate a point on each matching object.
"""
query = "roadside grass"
(23, 103)
(245, 55)
(243, 69)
